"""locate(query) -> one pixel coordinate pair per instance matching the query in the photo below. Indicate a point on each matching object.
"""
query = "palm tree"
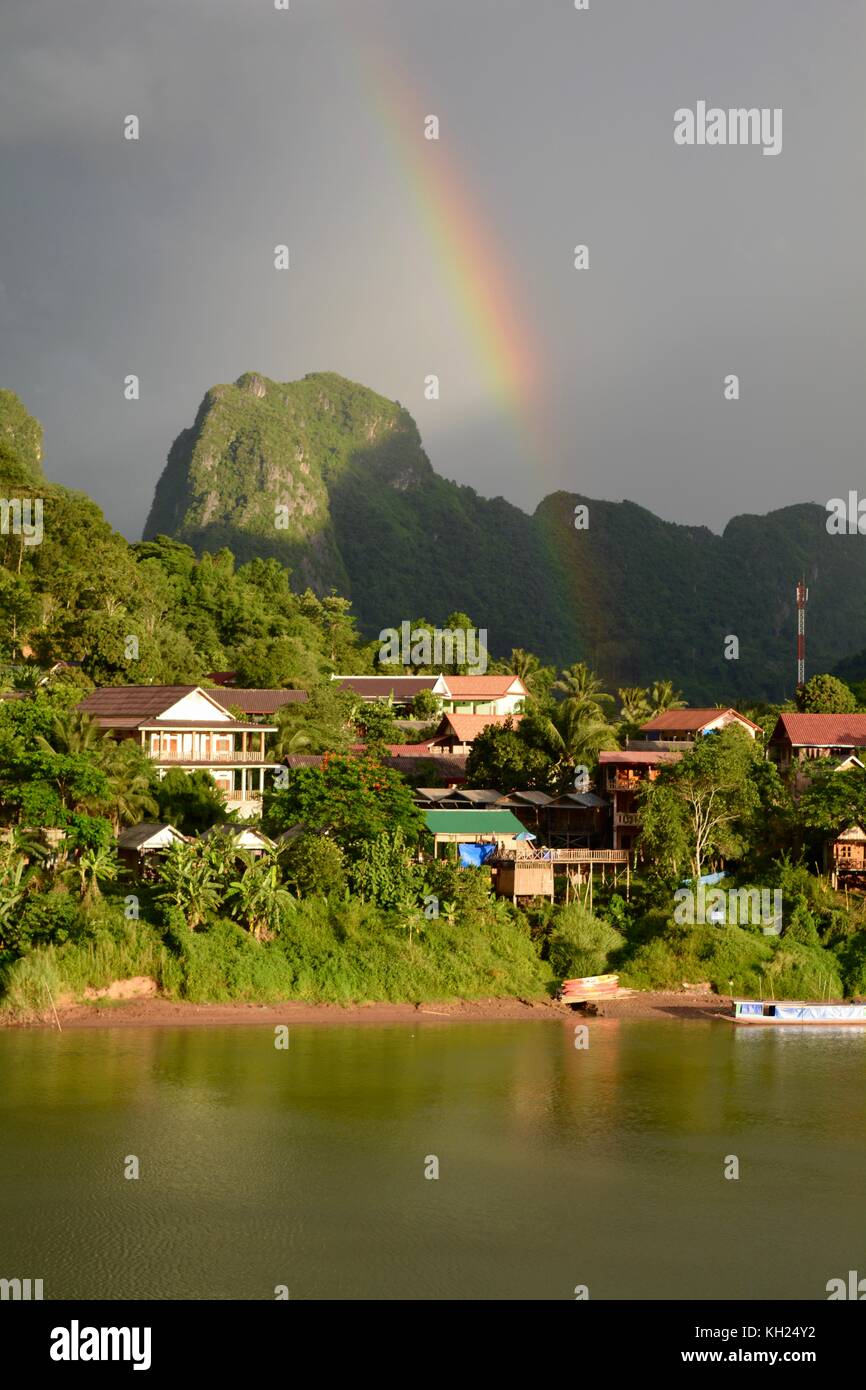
(577, 682)
(290, 740)
(95, 865)
(131, 780)
(576, 732)
(260, 897)
(72, 731)
(664, 697)
(522, 663)
(188, 882)
(634, 703)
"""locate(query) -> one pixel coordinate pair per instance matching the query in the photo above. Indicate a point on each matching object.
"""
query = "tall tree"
(703, 802)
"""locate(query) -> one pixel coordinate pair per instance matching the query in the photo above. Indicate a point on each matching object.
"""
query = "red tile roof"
(821, 730)
(467, 727)
(691, 719)
(483, 687)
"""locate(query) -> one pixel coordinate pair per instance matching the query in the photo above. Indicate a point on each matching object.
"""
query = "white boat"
(782, 1011)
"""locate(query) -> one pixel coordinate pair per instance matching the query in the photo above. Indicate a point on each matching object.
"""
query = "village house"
(622, 775)
(186, 727)
(457, 732)
(687, 725)
(138, 845)
(499, 695)
(800, 738)
(399, 691)
(474, 827)
(242, 837)
(663, 740)
(845, 858)
(577, 820)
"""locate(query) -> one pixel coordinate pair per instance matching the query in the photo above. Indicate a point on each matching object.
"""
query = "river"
(558, 1166)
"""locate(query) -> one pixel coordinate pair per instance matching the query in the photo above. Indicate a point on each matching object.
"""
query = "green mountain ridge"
(634, 595)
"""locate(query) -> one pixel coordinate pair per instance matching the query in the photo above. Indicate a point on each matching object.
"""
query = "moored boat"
(782, 1011)
(586, 987)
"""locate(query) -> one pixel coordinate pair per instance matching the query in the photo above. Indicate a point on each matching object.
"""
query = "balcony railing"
(243, 796)
(200, 756)
(625, 818)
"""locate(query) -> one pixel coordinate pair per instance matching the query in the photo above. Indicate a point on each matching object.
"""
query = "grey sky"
(261, 127)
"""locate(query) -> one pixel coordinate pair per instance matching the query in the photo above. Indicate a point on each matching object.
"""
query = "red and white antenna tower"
(802, 600)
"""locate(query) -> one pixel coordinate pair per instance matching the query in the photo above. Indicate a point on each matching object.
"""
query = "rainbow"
(474, 264)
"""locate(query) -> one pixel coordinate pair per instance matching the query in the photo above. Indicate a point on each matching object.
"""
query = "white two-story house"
(186, 727)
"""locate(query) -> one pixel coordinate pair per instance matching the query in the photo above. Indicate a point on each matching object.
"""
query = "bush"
(384, 874)
(314, 864)
(581, 944)
(729, 957)
(801, 925)
(48, 919)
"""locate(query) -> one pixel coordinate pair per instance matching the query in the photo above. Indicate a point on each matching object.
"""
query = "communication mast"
(802, 600)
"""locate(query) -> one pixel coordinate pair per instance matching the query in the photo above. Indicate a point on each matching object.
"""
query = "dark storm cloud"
(261, 127)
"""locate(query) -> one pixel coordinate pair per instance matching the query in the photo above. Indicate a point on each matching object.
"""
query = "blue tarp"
(472, 856)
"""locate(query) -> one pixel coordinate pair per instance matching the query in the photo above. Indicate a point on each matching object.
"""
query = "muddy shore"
(167, 1013)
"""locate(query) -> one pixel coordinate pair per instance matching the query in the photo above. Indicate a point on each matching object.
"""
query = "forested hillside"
(332, 478)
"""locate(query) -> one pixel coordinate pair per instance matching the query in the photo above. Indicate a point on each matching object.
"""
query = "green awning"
(472, 823)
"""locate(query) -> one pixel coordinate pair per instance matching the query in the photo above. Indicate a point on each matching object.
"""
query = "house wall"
(196, 706)
(503, 704)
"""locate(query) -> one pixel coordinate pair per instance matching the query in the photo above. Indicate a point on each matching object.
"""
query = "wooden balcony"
(626, 818)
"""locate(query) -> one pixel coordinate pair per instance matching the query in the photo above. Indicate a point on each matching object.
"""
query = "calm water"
(557, 1167)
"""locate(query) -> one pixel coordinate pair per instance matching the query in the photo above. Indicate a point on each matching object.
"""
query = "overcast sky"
(261, 127)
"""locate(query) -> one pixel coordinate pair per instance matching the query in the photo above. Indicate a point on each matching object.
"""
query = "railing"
(243, 796)
(202, 757)
(562, 856)
(626, 818)
(625, 784)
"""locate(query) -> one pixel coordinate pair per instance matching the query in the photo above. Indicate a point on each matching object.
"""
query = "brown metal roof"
(691, 719)
(380, 687)
(134, 700)
(136, 836)
(258, 701)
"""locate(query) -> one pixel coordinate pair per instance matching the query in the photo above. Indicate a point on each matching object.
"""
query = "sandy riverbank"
(167, 1013)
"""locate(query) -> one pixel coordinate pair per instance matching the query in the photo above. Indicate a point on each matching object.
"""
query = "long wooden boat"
(780, 1012)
